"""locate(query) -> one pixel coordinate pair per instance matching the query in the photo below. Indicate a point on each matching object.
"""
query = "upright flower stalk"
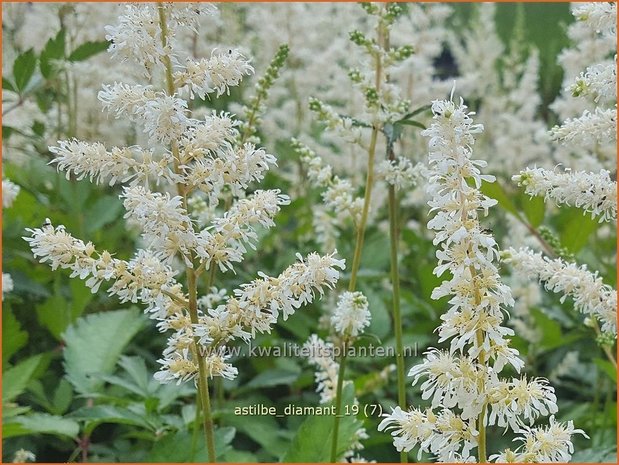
(201, 159)
(463, 383)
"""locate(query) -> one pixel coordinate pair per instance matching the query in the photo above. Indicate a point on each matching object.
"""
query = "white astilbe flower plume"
(321, 355)
(351, 314)
(193, 161)
(463, 383)
(595, 193)
(9, 193)
(591, 295)
(550, 443)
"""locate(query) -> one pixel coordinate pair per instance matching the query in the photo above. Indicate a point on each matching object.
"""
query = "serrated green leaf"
(136, 369)
(13, 337)
(312, 442)
(176, 447)
(94, 345)
(43, 423)
(88, 49)
(98, 414)
(15, 379)
(54, 50)
(23, 69)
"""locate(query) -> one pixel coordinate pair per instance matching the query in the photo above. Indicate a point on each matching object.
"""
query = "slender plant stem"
(203, 388)
(338, 403)
(356, 262)
(481, 426)
(395, 285)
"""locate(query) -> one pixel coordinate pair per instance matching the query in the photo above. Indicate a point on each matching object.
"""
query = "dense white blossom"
(351, 314)
(132, 165)
(7, 284)
(463, 383)
(591, 295)
(595, 193)
(550, 443)
(9, 193)
(589, 128)
(321, 355)
(223, 70)
(401, 173)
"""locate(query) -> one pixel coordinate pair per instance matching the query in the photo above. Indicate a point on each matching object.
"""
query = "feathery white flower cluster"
(340, 202)
(192, 156)
(7, 284)
(321, 355)
(463, 383)
(599, 16)
(599, 80)
(351, 314)
(138, 36)
(591, 296)
(550, 443)
(588, 129)
(588, 132)
(401, 173)
(504, 81)
(9, 192)
(595, 193)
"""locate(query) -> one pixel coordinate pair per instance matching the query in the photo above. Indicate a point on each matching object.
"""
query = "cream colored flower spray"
(463, 383)
(187, 157)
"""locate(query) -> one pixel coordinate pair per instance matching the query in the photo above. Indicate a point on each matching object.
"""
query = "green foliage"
(87, 50)
(312, 441)
(94, 345)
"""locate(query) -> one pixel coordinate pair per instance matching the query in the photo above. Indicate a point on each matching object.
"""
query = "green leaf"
(13, 337)
(98, 414)
(607, 368)
(88, 49)
(575, 229)
(263, 429)
(38, 423)
(104, 211)
(416, 112)
(94, 344)
(176, 447)
(380, 324)
(16, 379)
(552, 336)
(534, 209)
(63, 395)
(312, 442)
(54, 50)
(8, 85)
(495, 191)
(54, 313)
(23, 69)
(270, 378)
(410, 122)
